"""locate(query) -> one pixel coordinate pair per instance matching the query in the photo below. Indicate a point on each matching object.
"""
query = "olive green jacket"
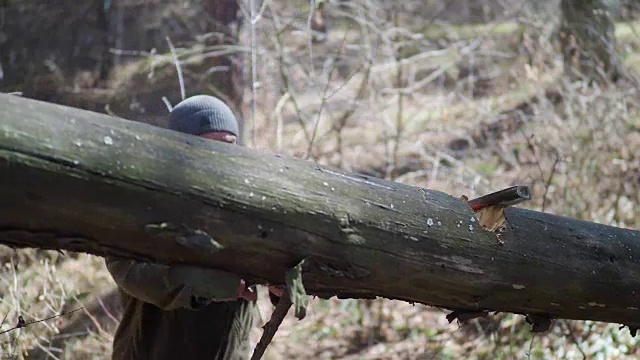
(169, 314)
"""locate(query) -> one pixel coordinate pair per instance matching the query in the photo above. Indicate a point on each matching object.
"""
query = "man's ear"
(231, 139)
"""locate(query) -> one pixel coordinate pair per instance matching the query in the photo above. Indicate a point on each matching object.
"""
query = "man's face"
(220, 136)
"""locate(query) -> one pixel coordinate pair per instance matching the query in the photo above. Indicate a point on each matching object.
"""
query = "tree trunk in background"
(60, 51)
(224, 20)
(202, 28)
(44, 43)
(588, 40)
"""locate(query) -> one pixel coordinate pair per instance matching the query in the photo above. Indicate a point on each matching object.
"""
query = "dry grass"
(384, 98)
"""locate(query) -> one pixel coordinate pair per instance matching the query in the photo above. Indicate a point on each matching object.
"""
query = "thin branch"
(312, 8)
(166, 103)
(549, 180)
(106, 311)
(400, 112)
(284, 76)
(4, 319)
(271, 327)
(325, 96)
(573, 338)
(178, 68)
(279, 121)
(253, 70)
(21, 323)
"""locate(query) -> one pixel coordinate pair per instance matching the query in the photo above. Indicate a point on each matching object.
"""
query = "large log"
(81, 181)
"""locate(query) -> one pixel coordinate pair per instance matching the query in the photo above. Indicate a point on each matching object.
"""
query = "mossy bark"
(81, 181)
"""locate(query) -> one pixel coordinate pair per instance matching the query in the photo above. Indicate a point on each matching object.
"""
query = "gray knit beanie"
(201, 114)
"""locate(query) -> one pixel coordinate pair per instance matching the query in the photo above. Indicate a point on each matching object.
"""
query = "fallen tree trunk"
(81, 181)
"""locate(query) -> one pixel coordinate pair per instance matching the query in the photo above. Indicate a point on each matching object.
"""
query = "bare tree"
(44, 43)
(588, 40)
(224, 22)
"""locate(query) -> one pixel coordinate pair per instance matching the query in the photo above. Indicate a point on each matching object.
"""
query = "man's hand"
(245, 293)
(209, 285)
(275, 293)
(249, 294)
(276, 290)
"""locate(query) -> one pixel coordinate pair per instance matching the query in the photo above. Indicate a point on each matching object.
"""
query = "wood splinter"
(490, 208)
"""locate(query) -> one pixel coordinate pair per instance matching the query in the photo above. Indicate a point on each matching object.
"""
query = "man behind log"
(185, 312)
